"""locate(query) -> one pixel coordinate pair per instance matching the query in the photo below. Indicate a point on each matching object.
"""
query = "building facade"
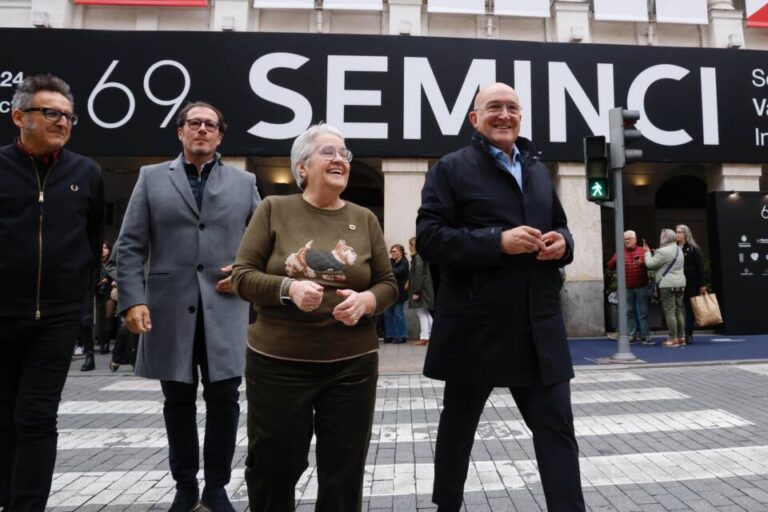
(668, 190)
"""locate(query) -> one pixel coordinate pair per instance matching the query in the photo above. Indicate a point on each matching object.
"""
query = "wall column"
(571, 19)
(230, 15)
(54, 13)
(404, 17)
(583, 290)
(726, 25)
(403, 180)
(734, 177)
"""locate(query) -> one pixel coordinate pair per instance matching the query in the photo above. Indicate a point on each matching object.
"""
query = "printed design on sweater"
(329, 265)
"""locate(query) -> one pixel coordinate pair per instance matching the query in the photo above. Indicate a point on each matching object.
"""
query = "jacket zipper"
(40, 201)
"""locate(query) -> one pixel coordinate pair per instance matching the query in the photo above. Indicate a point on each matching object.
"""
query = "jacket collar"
(527, 148)
(178, 175)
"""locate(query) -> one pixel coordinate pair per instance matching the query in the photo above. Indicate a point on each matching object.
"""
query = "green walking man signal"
(596, 165)
(598, 160)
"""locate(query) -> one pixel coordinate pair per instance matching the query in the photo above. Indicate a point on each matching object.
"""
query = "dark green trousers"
(288, 401)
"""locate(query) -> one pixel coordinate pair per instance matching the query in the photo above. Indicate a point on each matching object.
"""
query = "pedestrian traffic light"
(623, 134)
(596, 165)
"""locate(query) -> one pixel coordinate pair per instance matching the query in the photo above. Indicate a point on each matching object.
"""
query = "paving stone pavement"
(651, 439)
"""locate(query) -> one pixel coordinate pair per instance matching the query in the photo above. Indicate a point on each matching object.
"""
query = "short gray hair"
(304, 145)
(22, 98)
(667, 236)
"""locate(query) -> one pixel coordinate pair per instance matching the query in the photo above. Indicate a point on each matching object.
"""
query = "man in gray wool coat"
(177, 243)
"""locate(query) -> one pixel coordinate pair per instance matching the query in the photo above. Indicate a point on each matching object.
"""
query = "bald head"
(497, 115)
(499, 87)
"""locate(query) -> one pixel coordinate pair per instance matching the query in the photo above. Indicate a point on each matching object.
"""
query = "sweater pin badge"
(74, 188)
(352, 227)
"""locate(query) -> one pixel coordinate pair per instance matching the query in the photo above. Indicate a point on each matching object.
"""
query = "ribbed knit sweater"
(338, 249)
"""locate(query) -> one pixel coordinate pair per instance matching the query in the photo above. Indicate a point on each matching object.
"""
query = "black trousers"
(102, 324)
(287, 402)
(546, 411)
(180, 414)
(36, 356)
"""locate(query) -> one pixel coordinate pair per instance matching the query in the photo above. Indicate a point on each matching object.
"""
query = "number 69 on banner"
(104, 84)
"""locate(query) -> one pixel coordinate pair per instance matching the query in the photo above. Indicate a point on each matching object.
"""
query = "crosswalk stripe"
(123, 488)
(760, 369)
(397, 381)
(498, 399)
(136, 438)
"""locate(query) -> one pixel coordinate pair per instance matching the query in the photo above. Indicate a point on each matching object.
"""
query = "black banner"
(738, 234)
(392, 96)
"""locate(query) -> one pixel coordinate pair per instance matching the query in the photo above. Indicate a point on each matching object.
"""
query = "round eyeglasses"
(330, 152)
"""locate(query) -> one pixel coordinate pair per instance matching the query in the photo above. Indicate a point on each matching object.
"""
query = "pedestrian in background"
(694, 275)
(175, 252)
(420, 293)
(316, 266)
(395, 324)
(51, 229)
(668, 263)
(492, 221)
(104, 307)
(636, 278)
(95, 322)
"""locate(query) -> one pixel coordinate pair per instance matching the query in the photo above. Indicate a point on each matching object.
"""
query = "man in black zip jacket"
(51, 230)
(491, 220)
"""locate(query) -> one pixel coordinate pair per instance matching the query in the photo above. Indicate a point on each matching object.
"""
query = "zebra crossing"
(646, 436)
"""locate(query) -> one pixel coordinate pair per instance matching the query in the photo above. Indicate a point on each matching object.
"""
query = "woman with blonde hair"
(316, 266)
(668, 263)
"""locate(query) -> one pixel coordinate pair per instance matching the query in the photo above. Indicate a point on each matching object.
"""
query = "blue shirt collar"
(495, 152)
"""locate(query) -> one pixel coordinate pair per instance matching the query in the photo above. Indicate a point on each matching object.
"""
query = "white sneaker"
(78, 350)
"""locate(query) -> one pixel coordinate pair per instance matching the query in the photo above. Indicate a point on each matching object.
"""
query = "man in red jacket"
(637, 288)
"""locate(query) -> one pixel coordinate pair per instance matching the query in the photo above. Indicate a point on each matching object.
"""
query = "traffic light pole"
(624, 354)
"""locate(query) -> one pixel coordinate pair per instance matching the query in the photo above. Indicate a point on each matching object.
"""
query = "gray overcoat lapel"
(178, 176)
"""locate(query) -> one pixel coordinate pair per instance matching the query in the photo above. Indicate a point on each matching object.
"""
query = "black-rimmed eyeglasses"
(195, 124)
(54, 115)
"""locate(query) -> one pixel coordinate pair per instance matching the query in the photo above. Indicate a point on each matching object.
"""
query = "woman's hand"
(353, 307)
(307, 295)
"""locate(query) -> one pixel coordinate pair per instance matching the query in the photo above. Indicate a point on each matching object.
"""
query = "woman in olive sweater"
(668, 262)
(316, 266)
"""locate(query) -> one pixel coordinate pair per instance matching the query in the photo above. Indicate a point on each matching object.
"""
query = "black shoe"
(688, 339)
(88, 364)
(185, 500)
(388, 340)
(400, 340)
(104, 349)
(215, 501)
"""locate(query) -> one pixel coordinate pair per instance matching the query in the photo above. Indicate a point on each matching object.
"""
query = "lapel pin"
(352, 227)
(74, 188)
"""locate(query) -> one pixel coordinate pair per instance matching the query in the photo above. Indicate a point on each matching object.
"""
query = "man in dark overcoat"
(491, 220)
(174, 255)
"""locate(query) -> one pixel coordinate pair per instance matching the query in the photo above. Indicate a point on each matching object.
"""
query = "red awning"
(757, 13)
(147, 3)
